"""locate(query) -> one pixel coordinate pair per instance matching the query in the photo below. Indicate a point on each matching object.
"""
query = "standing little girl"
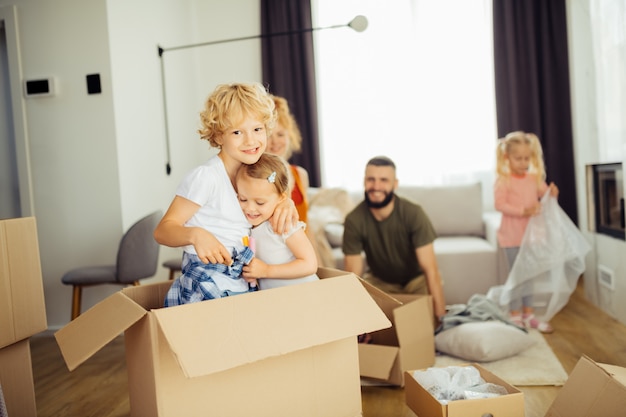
(281, 259)
(518, 188)
(204, 216)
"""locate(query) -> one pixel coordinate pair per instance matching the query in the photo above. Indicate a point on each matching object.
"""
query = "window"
(417, 86)
(608, 29)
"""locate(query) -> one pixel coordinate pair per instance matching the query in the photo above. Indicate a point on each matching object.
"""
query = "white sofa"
(466, 248)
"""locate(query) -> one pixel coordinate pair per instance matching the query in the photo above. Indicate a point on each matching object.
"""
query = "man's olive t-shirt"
(389, 245)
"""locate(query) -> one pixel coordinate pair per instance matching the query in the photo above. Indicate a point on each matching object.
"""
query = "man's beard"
(384, 203)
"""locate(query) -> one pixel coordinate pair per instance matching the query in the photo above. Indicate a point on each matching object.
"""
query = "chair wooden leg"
(76, 300)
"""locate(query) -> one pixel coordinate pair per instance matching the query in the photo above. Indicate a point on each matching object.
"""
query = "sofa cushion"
(468, 266)
(458, 245)
(453, 210)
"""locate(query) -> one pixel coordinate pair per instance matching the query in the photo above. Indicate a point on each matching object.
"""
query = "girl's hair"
(286, 119)
(505, 146)
(271, 168)
(229, 104)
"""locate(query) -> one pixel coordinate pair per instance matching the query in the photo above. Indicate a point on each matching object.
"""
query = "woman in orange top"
(284, 140)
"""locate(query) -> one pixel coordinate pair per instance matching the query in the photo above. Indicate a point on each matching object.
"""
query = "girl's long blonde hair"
(519, 137)
(288, 121)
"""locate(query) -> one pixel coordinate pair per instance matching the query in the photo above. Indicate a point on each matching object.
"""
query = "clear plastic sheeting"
(550, 261)
(457, 383)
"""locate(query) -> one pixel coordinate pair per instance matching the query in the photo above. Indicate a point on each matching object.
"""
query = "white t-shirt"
(272, 249)
(220, 213)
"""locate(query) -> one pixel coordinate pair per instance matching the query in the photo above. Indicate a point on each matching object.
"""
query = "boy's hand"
(285, 216)
(210, 250)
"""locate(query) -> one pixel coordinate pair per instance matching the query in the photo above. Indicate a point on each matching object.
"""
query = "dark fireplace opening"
(606, 199)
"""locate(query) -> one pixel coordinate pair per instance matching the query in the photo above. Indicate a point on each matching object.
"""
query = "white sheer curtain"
(416, 86)
(608, 28)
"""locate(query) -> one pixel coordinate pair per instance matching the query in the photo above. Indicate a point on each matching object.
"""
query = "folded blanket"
(478, 308)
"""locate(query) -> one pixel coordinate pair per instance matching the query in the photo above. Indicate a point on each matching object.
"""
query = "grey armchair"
(137, 258)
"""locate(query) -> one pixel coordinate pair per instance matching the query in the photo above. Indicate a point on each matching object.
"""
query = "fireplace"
(605, 198)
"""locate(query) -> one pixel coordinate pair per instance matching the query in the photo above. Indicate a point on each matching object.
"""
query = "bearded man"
(396, 236)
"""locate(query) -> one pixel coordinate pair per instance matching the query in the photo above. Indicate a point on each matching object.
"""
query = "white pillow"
(483, 341)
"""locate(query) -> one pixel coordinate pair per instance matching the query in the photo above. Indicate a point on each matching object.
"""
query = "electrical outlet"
(606, 277)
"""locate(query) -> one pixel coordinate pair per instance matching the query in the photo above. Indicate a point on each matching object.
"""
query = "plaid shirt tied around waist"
(197, 284)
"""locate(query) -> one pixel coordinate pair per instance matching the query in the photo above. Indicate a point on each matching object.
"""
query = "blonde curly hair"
(229, 104)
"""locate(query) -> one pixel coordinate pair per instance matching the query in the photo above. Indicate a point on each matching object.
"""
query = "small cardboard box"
(289, 351)
(408, 344)
(22, 312)
(592, 389)
(424, 404)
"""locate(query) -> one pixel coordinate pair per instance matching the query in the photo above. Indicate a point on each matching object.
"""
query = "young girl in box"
(281, 259)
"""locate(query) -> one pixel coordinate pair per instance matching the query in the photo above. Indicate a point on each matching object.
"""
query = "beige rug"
(538, 365)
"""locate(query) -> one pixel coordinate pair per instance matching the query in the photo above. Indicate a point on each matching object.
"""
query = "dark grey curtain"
(289, 71)
(532, 84)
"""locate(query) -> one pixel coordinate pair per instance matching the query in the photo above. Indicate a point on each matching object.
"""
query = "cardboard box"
(22, 312)
(16, 379)
(592, 389)
(289, 351)
(408, 344)
(22, 305)
(424, 404)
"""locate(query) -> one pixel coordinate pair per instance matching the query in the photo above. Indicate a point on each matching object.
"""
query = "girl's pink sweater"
(511, 196)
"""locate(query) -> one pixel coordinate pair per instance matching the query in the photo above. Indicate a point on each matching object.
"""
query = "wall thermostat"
(43, 87)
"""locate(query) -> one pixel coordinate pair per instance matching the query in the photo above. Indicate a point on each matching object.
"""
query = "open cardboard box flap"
(269, 323)
(617, 372)
(408, 345)
(96, 327)
(592, 389)
(417, 345)
(238, 330)
(377, 361)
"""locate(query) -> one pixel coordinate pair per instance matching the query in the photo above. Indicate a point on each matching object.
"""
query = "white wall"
(606, 250)
(189, 76)
(76, 194)
(98, 161)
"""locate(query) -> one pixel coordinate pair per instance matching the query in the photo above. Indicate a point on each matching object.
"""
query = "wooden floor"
(99, 387)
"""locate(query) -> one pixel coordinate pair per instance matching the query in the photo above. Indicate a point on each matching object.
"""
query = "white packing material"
(454, 383)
